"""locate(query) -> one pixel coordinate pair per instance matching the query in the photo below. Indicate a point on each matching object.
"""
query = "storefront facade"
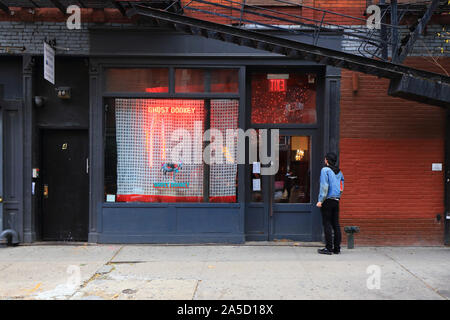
(94, 164)
(97, 158)
(138, 104)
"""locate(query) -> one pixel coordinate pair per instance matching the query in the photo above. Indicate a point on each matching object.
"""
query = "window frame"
(320, 87)
(171, 94)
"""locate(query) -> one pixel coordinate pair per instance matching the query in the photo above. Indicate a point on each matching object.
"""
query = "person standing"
(331, 188)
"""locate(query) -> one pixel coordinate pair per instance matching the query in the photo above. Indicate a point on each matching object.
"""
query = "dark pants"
(330, 220)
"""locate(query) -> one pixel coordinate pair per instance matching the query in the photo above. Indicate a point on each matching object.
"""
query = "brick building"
(115, 74)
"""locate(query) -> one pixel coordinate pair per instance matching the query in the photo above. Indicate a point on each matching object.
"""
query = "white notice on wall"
(110, 198)
(256, 184)
(436, 167)
(49, 63)
(256, 167)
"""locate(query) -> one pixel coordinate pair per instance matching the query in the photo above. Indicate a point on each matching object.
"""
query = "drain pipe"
(10, 237)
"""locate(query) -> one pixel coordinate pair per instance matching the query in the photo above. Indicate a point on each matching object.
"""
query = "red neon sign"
(277, 85)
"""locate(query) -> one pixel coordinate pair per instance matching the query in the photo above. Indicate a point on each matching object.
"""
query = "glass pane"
(224, 80)
(189, 80)
(255, 171)
(292, 182)
(137, 80)
(223, 170)
(283, 98)
(145, 136)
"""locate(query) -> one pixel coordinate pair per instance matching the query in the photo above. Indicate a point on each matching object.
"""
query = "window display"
(145, 131)
(223, 182)
(283, 98)
(154, 150)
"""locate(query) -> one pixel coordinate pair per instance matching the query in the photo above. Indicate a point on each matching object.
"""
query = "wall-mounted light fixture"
(63, 92)
(39, 101)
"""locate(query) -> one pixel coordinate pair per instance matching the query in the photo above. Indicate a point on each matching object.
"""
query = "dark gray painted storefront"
(11, 114)
(156, 222)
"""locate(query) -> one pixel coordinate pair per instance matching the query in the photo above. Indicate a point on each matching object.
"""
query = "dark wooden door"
(65, 185)
(285, 208)
(293, 212)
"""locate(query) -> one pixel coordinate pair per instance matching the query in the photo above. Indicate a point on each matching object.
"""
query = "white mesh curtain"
(144, 128)
(223, 182)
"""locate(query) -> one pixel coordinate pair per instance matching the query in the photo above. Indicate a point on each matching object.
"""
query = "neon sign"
(277, 85)
(173, 110)
(171, 185)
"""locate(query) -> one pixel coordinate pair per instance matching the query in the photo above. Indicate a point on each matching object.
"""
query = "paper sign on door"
(256, 167)
(256, 184)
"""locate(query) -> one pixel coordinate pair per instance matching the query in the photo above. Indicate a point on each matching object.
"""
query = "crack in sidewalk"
(195, 290)
(96, 274)
(417, 277)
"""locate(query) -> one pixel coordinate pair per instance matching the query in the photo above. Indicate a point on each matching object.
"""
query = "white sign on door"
(257, 167)
(49, 63)
(256, 184)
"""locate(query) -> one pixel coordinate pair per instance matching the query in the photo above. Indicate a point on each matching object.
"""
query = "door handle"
(45, 191)
(1, 199)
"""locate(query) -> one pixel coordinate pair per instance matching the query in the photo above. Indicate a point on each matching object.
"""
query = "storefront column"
(330, 130)
(27, 219)
(242, 174)
(95, 152)
(332, 110)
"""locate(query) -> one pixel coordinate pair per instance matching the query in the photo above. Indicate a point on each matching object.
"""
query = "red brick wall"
(54, 15)
(387, 148)
(354, 8)
(350, 7)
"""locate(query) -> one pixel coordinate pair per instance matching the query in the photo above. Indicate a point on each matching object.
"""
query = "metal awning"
(406, 82)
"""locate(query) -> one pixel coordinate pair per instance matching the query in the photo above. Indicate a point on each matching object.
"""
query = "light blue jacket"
(331, 184)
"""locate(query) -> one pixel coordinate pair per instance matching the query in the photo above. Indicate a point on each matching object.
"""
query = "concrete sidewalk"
(222, 272)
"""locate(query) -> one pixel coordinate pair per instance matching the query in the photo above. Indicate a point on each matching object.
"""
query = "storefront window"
(283, 98)
(151, 80)
(189, 80)
(223, 176)
(224, 80)
(292, 182)
(144, 136)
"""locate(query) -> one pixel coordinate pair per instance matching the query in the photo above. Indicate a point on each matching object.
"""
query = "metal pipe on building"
(394, 23)
(10, 236)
